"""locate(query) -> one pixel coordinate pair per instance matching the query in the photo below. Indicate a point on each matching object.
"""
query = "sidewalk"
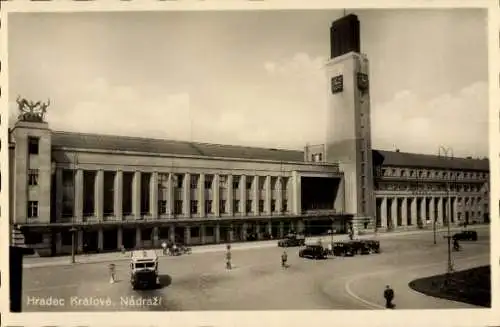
(36, 262)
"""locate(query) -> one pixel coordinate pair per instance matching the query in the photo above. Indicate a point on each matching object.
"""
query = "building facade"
(113, 191)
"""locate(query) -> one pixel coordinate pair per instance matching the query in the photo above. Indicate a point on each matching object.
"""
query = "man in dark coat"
(389, 296)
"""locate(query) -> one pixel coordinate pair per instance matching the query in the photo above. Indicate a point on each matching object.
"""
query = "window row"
(429, 187)
(223, 206)
(414, 173)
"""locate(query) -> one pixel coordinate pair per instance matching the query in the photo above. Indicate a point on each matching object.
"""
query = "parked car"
(466, 235)
(373, 245)
(359, 247)
(344, 249)
(292, 240)
(313, 252)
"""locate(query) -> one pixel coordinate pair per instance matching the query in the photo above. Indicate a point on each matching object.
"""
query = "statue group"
(32, 111)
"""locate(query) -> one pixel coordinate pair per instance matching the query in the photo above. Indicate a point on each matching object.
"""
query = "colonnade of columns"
(275, 193)
(400, 211)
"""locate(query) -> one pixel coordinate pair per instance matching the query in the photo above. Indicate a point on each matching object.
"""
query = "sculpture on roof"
(32, 111)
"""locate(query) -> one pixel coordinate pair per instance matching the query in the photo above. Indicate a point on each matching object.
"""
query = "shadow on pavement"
(165, 281)
(472, 286)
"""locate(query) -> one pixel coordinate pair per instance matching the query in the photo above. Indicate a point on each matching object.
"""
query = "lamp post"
(447, 152)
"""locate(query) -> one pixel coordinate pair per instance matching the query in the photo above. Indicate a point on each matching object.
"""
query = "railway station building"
(110, 191)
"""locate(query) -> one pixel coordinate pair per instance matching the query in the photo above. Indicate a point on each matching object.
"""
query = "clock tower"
(348, 135)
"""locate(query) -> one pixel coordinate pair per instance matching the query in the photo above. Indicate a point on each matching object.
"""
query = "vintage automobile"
(465, 235)
(373, 245)
(313, 252)
(144, 269)
(359, 246)
(343, 249)
(292, 240)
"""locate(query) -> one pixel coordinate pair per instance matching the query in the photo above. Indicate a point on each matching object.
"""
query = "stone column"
(244, 228)
(432, 211)
(186, 196)
(138, 238)
(243, 195)
(136, 195)
(404, 211)
(170, 195)
(279, 195)
(79, 241)
(339, 204)
(394, 212)
(153, 195)
(59, 194)
(156, 237)
(270, 228)
(217, 233)
(58, 242)
(383, 213)
(119, 237)
(79, 195)
(230, 198)
(268, 193)
(99, 194)
(455, 209)
(423, 206)
(296, 196)
(118, 195)
(440, 211)
(201, 195)
(171, 233)
(300, 226)
(414, 212)
(216, 195)
(255, 195)
(203, 234)
(231, 233)
(187, 235)
(100, 239)
(281, 232)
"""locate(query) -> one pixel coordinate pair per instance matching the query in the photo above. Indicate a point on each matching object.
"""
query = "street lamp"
(447, 152)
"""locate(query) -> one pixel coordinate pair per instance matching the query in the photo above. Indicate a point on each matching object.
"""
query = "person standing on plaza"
(389, 297)
(228, 257)
(284, 259)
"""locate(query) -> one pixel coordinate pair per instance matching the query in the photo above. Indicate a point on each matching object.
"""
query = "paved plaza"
(200, 281)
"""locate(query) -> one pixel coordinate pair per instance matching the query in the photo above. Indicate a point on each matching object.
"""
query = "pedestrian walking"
(122, 248)
(456, 245)
(330, 248)
(284, 258)
(389, 297)
(228, 257)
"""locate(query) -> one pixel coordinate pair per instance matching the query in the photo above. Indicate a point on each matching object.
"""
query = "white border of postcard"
(374, 318)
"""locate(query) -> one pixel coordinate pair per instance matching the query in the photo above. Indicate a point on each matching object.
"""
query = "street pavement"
(34, 262)
(200, 281)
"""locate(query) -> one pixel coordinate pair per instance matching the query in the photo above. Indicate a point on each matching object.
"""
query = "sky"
(253, 78)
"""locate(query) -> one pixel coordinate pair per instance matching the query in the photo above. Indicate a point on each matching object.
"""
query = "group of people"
(171, 248)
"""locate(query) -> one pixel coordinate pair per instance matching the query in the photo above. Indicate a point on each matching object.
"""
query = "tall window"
(236, 206)
(162, 207)
(249, 206)
(208, 206)
(33, 177)
(285, 205)
(223, 181)
(208, 182)
(236, 182)
(222, 206)
(273, 205)
(194, 206)
(178, 207)
(32, 209)
(33, 145)
(194, 182)
(261, 205)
